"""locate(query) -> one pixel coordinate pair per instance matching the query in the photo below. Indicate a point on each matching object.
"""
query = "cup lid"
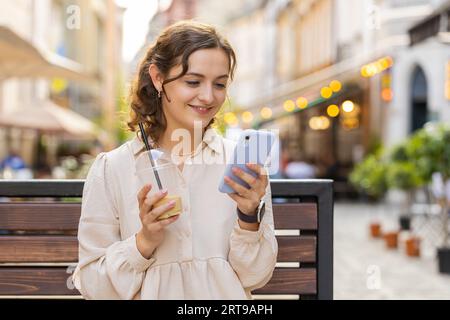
(159, 157)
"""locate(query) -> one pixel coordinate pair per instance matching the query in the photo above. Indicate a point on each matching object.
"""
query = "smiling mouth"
(200, 108)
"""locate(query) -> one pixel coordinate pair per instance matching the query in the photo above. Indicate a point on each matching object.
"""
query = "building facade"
(87, 33)
(302, 50)
(359, 47)
(421, 72)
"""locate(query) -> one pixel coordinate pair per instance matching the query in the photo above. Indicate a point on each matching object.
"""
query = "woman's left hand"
(248, 199)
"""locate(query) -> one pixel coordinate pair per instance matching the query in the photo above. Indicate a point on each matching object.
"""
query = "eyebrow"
(202, 76)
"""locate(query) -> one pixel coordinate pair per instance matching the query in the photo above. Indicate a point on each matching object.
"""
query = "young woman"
(217, 248)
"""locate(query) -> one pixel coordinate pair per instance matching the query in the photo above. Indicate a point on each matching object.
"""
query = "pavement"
(365, 269)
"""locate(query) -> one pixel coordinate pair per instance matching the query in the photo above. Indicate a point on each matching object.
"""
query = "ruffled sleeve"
(253, 254)
(109, 267)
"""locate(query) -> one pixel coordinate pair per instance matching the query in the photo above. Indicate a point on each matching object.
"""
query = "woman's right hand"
(152, 232)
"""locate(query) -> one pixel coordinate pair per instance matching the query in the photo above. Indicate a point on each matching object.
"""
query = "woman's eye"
(192, 83)
(221, 85)
(196, 83)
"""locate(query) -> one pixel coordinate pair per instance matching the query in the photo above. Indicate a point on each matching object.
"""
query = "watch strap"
(256, 218)
(247, 218)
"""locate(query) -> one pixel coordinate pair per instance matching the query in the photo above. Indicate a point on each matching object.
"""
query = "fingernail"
(171, 203)
(163, 191)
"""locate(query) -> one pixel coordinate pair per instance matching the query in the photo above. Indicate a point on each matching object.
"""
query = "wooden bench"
(39, 248)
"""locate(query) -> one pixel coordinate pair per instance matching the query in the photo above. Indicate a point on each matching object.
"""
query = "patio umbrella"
(48, 117)
(20, 58)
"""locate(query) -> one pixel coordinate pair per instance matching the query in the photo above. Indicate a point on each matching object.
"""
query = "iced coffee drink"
(176, 210)
(162, 174)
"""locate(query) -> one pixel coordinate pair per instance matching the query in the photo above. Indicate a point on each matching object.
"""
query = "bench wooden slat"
(296, 249)
(38, 249)
(42, 188)
(301, 216)
(65, 249)
(35, 281)
(33, 216)
(65, 216)
(290, 281)
(54, 281)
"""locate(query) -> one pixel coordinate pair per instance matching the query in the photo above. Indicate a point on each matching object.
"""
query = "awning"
(20, 58)
(47, 117)
(343, 71)
(313, 101)
(309, 86)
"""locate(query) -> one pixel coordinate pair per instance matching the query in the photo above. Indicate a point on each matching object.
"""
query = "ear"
(156, 76)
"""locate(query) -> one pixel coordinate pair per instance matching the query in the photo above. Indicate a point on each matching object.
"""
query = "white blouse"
(204, 254)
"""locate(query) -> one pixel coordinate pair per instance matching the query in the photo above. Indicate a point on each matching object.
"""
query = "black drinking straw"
(147, 146)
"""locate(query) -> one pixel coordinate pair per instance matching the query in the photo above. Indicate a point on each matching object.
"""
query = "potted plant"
(369, 177)
(413, 246)
(430, 148)
(391, 239)
(402, 175)
(375, 229)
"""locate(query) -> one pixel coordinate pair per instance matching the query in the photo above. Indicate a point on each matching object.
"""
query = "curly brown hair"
(173, 47)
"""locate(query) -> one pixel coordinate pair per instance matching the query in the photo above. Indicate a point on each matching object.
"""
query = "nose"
(206, 94)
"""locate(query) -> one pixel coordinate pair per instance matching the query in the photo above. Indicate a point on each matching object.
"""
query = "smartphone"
(253, 146)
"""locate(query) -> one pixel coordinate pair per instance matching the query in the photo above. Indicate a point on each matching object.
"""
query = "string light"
(350, 123)
(333, 110)
(386, 89)
(266, 113)
(302, 102)
(348, 106)
(387, 94)
(289, 105)
(247, 117)
(376, 67)
(335, 85)
(326, 92)
(230, 119)
(319, 123)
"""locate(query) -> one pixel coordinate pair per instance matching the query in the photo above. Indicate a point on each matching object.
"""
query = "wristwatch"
(256, 218)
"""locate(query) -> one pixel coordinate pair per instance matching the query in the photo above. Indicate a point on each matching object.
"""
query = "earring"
(159, 94)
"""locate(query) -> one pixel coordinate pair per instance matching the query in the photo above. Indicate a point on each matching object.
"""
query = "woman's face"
(199, 94)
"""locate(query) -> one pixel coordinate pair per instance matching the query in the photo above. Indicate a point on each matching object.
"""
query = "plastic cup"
(169, 177)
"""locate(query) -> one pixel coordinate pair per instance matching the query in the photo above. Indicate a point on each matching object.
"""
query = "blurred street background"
(358, 89)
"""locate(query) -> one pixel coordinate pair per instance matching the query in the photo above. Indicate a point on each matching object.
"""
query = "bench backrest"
(39, 247)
